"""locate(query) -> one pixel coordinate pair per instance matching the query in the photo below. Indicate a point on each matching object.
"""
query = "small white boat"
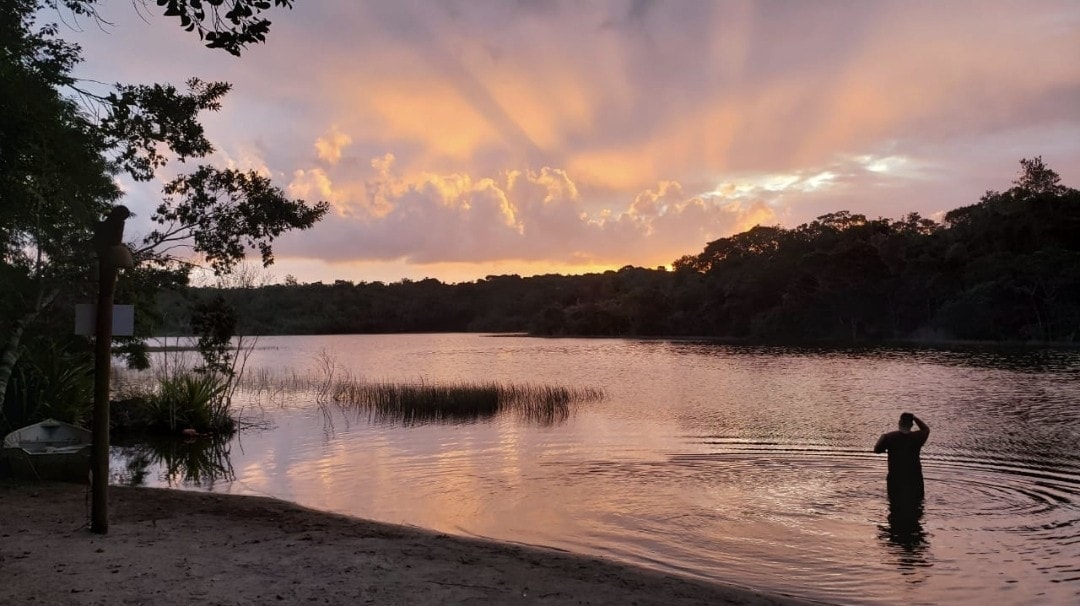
(49, 450)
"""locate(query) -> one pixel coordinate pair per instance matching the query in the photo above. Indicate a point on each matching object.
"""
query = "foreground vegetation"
(195, 402)
(66, 145)
(203, 459)
(176, 398)
(1004, 269)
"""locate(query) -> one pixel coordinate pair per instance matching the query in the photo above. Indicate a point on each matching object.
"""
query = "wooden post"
(107, 235)
(99, 467)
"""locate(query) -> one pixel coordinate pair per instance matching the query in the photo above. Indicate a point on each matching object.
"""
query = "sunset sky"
(459, 139)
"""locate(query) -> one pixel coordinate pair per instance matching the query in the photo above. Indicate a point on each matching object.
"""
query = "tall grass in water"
(411, 403)
(167, 405)
(418, 403)
(176, 397)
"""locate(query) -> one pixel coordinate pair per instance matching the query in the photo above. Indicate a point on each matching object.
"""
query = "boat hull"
(50, 450)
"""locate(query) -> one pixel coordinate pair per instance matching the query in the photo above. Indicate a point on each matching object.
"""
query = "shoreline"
(912, 341)
(169, 546)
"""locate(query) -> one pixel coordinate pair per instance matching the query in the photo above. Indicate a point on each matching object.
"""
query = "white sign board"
(123, 320)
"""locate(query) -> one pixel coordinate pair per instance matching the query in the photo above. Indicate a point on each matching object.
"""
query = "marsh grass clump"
(194, 400)
(187, 400)
(547, 404)
(462, 402)
(274, 384)
(409, 403)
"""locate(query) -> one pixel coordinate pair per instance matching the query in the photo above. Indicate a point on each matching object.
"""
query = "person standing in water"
(905, 479)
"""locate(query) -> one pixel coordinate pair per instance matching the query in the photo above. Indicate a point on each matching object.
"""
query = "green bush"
(187, 400)
(49, 381)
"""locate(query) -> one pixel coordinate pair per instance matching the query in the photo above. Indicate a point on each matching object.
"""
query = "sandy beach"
(174, 547)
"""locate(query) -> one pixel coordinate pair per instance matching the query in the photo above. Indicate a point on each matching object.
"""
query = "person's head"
(906, 421)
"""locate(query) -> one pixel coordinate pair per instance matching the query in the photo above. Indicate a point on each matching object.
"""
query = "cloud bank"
(454, 138)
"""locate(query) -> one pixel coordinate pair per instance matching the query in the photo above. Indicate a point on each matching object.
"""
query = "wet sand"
(174, 547)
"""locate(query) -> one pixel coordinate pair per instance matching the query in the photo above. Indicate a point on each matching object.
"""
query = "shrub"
(187, 400)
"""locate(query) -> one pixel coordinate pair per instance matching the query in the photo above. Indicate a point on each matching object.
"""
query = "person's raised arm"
(924, 429)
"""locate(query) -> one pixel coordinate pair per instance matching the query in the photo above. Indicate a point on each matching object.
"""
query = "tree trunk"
(11, 356)
(11, 351)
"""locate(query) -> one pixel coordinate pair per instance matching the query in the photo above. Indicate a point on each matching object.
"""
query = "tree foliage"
(230, 25)
(62, 148)
(145, 120)
(214, 321)
(228, 211)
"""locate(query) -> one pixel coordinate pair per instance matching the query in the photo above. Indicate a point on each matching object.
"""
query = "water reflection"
(1018, 358)
(724, 463)
(904, 536)
(200, 462)
(418, 416)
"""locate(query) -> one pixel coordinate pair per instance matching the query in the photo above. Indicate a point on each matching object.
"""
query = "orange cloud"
(534, 218)
(433, 114)
(328, 147)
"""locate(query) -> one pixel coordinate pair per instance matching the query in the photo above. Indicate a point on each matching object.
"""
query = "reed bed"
(415, 402)
(418, 403)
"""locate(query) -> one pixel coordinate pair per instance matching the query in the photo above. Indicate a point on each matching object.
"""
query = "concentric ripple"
(1006, 496)
(1005, 516)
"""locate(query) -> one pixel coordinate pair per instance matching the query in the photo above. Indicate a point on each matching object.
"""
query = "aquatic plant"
(176, 396)
(183, 401)
(417, 403)
(192, 400)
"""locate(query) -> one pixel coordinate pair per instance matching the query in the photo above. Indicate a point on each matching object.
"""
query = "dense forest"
(1005, 268)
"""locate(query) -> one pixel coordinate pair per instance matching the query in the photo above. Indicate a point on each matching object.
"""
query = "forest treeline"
(1005, 268)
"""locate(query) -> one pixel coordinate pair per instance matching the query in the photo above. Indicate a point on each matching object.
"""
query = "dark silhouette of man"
(905, 479)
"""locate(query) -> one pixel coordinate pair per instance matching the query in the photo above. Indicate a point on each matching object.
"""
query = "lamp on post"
(111, 255)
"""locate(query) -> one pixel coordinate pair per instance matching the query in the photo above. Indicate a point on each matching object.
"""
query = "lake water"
(746, 465)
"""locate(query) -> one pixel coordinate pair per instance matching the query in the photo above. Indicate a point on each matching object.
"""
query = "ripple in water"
(1011, 518)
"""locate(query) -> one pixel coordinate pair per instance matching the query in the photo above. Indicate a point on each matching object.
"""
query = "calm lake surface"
(746, 465)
